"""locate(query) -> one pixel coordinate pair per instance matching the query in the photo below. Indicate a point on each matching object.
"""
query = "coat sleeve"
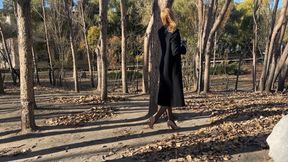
(176, 46)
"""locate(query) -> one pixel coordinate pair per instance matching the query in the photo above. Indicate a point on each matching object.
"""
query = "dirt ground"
(113, 138)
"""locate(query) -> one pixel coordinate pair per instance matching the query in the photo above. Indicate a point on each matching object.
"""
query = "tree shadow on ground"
(38, 116)
(87, 143)
(9, 132)
(251, 111)
(46, 131)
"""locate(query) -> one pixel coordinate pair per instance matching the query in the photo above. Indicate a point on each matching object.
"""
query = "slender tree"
(147, 45)
(1, 83)
(199, 56)
(8, 56)
(26, 66)
(207, 42)
(103, 7)
(123, 5)
(84, 28)
(71, 40)
(272, 48)
(35, 65)
(99, 65)
(268, 41)
(51, 64)
(256, 5)
(282, 76)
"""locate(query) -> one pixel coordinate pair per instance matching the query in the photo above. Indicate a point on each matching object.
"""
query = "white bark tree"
(71, 40)
(123, 6)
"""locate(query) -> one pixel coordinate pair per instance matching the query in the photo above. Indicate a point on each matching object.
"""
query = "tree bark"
(281, 63)
(103, 7)
(123, 5)
(99, 70)
(282, 77)
(270, 43)
(255, 42)
(86, 44)
(4, 43)
(147, 43)
(157, 5)
(36, 73)
(210, 35)
(155, 51)
(198, 58)
(1, 84)
(214, 50)
(274, 47)
(71, 40)
(51, 64)
(238, 71)
(275, 69)
(26, 66)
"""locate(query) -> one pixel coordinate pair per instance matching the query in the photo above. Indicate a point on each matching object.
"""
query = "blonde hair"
(168, 19)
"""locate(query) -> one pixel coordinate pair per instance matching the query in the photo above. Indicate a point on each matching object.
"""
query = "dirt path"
(101, 140)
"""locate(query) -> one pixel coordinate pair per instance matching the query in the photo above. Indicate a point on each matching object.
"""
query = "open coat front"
(171, 86)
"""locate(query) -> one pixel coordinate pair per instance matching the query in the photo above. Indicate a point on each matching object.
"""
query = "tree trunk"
(1, 84)
(99, 65)
(208, 26)
(35, 66)
(238, 71)
(282, 77)
(275, 49)
(211, 35)
(206, 73)
(215, 50)
(87, 45)
(51, 65)
(103, 7)
(265, 62)
(274, 67)
(255, 42)
(271, 73)
(281, 63)
(199, 56)
(155, 52)
(4, 43)
(124, 45)
(147, 43)
(26, 66)
(71, 40)
(271, 43)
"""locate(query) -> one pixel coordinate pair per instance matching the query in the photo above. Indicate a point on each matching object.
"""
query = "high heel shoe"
(151, 122)
(172, 125)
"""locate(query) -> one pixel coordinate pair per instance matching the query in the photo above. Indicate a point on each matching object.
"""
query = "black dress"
(171, 86)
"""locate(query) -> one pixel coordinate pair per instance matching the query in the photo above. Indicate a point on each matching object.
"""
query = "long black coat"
(171, 86)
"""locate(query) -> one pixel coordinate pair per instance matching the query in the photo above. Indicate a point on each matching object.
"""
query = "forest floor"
(220, 126)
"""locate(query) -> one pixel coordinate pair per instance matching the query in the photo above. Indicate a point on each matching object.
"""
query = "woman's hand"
(184, 43)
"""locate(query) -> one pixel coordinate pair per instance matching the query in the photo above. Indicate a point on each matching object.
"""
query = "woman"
(170, 85)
